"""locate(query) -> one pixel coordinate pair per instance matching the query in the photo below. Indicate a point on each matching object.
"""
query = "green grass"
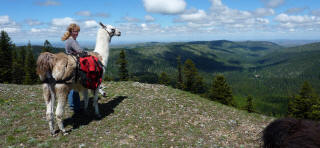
(134, 115)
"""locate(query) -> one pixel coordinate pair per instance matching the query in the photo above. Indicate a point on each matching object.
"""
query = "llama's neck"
(102, 46)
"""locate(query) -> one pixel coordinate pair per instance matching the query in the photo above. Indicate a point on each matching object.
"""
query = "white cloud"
(90, 24)
(263, 12)
(131, 19)
(47, 3)
(283, 18)
(165, 6)
(221, 12)
(144, 26)
(149, 18)
(10, 29)
(8, 25)
(4, 19)
(273, 3)
(63, 21)
(221, 17)
(297, 22)
(200, 15)
(296, 10)
(262, 20)
(32, 22)
(35, 30)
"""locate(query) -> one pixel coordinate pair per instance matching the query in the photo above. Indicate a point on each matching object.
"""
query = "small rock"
(82, 145)
(107, 132)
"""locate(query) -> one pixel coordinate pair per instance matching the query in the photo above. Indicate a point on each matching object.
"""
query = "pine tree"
(249, 106)
(220, 91)
(164, 79)
(6, 48)
(47, 47)
(17, 71)
(30, 67)
(190, 72)
(315, 112)
(180, 79)
(302, 105)
(199, 86)
(291, 106)
(123, 72)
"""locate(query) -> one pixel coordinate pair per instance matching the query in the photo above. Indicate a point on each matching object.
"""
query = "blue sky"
(162, 20)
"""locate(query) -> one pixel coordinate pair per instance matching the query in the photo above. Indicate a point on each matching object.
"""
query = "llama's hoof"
(65, 133)
(53, 134)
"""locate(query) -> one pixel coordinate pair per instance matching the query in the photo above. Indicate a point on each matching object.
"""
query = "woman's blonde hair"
(71, 27)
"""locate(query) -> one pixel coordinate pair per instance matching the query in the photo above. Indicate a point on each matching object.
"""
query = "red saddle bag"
(91, 70)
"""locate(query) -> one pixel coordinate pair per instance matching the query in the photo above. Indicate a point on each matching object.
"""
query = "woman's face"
(74, 34)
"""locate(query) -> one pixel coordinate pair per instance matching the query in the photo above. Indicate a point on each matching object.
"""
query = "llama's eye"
(113, 30)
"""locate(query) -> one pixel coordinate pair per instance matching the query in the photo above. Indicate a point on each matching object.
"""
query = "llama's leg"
(49, 99)
(95, 103)
(86, 100)
(62, 91)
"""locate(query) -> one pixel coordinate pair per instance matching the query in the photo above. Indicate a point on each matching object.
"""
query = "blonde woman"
(70, 37)
(72, 47)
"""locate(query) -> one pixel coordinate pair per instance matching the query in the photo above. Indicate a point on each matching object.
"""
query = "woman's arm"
(75, 47)
(72, 47)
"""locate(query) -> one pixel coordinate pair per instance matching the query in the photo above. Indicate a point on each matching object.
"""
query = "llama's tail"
(45, 64)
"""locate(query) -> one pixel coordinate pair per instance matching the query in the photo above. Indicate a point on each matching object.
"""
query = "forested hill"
(209, 56)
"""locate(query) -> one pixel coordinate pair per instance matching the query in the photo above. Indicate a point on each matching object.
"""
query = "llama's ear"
(103, 26)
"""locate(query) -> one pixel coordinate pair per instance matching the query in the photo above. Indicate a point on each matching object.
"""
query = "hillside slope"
(134, 114)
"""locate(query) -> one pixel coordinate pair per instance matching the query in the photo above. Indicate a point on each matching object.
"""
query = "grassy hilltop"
(134, 114)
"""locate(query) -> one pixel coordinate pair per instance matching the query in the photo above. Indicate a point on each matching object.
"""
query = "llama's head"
(110, 30)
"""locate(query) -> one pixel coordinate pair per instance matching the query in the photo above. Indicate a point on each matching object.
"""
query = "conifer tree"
(14, 66)
(17, 71)
(190, 72)
(30, 67)
(123, 72)
(6, 48)
(199, 86)
(315, 111)
(220, 91)
(304, 105)
(47, 47)
(249, 106)
(179, 84)
(164, 79)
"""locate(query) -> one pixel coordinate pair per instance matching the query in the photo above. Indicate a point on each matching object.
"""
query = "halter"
(110, 34)
(103, 26)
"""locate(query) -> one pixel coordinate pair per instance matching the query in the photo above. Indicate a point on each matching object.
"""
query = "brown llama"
(58, 73)
(291, 133)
